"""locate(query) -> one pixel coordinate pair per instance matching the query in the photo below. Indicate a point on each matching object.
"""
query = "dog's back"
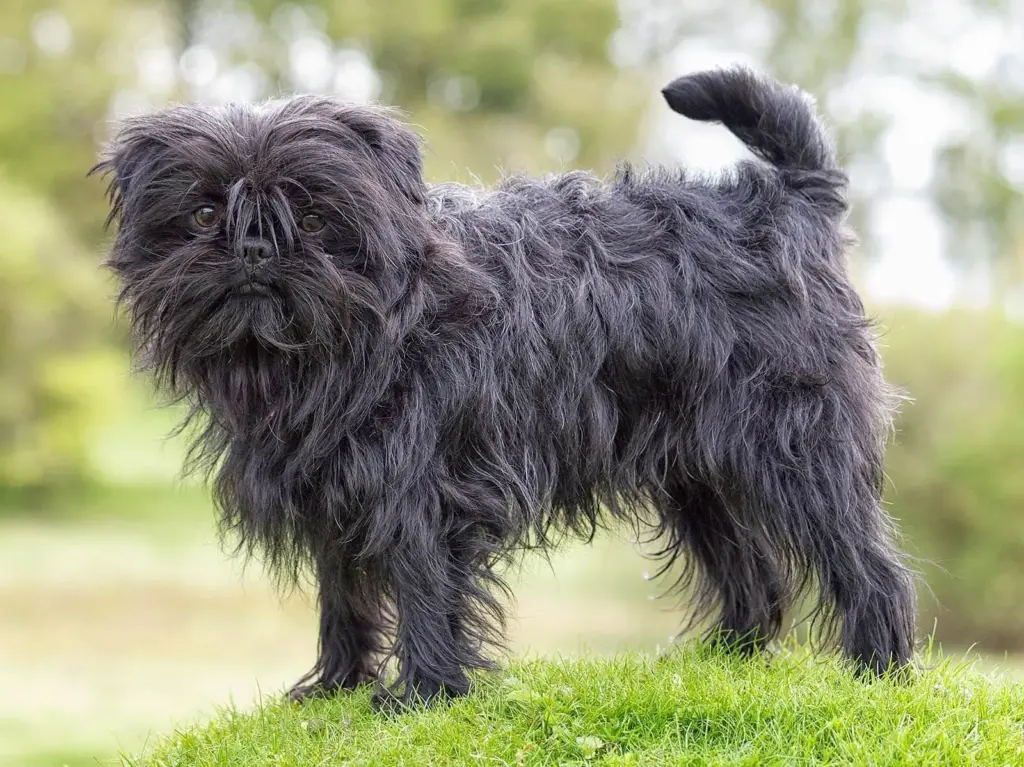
(640, 303)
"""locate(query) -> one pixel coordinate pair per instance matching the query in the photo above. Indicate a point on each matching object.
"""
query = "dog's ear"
(395, 147)
(126, 161)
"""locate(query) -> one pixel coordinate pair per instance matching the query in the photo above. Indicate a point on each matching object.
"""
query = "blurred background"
(121, 616)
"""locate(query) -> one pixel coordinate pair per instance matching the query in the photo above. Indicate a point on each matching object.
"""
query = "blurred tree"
(949, 74)
(979, 185)
(60, 63)
(58, 72)
(956, 481)
(525, 86)
(55, 372)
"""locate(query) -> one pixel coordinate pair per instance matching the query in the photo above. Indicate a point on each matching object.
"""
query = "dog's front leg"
(351, 623)
(446, 615)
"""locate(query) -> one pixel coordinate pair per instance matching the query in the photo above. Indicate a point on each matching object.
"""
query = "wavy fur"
(444, 376)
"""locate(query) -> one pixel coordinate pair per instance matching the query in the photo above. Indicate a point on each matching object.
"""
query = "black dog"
(401, 385)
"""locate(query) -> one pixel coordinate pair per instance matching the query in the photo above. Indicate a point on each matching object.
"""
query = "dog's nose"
(255, 251)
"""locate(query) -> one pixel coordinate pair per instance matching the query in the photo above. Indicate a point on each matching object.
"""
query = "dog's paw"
(881, 666)
(746, 644)
(319, 688)
(385, 701)
(300, 693)
(413, 695)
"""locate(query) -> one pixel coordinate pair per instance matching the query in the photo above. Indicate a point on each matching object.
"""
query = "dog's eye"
(205, 216)
(311, 223)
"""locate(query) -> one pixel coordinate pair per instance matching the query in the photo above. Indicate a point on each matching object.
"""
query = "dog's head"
(272, 228)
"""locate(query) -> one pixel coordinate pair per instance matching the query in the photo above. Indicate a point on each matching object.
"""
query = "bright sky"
(911, 268)
(908, 229)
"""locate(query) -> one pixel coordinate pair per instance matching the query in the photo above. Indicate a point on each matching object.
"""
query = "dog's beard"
(194, 310)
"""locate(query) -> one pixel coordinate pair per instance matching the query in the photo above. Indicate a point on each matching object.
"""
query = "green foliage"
(957, 481)
(486, 81)
(61, 370)
(54, 101)
(54, 372)
(693, 708)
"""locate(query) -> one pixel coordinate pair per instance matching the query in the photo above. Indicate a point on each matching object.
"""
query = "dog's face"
(270, 228)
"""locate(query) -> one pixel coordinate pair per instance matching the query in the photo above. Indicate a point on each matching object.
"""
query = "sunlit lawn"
(131, 618)
(119, 625)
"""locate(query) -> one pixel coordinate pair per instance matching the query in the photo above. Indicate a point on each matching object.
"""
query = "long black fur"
(444, 375)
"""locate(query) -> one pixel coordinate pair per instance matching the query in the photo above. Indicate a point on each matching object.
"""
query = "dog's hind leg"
(810, 466)
(730, 567)
(349, 640)
(858, 566)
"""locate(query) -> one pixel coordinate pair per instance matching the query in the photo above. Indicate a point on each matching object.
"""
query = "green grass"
(695, 707)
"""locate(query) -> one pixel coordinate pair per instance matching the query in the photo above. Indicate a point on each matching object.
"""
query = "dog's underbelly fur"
(648, 311)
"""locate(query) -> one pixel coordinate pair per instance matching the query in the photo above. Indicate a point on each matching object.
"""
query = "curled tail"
(776, 121)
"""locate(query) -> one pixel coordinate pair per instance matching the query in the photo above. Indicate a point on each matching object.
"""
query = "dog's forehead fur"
(308, 142)
(262, 136)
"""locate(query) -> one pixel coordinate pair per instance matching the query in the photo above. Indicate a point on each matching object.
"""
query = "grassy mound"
(696, 707)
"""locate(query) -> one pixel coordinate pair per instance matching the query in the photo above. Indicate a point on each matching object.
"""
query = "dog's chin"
(247, 316)
(256, 313)
(253, 291)
(236, 321)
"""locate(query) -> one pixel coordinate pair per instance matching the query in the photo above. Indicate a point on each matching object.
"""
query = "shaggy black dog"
(401, 385)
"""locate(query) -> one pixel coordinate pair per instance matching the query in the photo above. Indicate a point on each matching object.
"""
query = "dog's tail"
(776, 121)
